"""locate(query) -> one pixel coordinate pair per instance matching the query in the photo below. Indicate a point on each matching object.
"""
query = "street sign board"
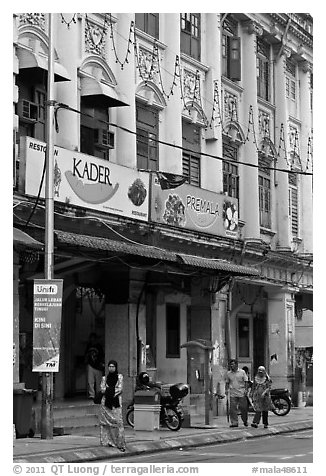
(47, 309)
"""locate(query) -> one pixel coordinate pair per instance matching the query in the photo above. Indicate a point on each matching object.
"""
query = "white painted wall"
(171, 370)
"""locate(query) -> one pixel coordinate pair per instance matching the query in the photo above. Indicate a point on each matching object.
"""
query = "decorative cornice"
(253, 28)
(306, 66)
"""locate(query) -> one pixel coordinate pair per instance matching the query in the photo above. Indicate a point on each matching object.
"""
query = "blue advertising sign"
(47, 310)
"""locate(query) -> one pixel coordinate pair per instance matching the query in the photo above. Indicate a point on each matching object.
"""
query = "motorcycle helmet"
(143, 378)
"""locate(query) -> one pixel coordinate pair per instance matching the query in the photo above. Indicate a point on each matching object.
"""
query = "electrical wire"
(184, 149)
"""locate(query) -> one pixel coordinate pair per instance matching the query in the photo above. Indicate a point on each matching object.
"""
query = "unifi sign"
(45, 289)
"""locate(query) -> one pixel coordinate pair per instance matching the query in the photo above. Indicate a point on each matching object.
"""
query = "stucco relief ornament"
(35, 19)
(95, 39)
(254, 28)
(147, 65)
(189, 84)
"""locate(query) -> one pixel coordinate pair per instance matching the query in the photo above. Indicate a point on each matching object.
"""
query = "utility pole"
(47, 377)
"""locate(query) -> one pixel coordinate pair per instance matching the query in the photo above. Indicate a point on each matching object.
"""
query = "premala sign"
(47, 324)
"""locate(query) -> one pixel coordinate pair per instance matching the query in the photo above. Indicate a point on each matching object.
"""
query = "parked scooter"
(281, 401)
(171, 413)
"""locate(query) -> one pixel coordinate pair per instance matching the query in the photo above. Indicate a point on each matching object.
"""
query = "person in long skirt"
(110, 416)
(261, 398)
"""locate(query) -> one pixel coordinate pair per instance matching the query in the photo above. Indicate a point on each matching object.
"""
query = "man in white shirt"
(237, 386)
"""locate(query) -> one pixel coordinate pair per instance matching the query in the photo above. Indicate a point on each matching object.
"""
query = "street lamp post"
(47, 377)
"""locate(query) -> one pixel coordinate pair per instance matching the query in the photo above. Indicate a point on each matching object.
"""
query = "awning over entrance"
(22, 238)
(104, 93)
(147, 251)
(28, 60)
(218, 264)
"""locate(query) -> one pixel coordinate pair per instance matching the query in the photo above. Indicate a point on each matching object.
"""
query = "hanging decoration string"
(282, 145)
(296, 150)
(175, 75)
(309, 154)
(216, 105)
(149, 73)
(68, 23)
(251, 123)
(131, 30)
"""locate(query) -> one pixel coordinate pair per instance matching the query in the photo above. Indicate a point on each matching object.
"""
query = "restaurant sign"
(47, 309)
(194, 208)
(87, 181)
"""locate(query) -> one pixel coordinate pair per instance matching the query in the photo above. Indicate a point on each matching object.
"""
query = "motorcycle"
(171, 413)
(281, 401)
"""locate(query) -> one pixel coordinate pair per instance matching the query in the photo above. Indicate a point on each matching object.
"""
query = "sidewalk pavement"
(79, 449)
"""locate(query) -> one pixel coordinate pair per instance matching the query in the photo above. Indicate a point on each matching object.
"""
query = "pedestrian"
(249, 402)
(237, 388)
(110, 415)
(94, 359)
(261, 397)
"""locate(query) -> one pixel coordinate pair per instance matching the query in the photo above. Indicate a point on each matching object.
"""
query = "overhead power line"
(179, 147)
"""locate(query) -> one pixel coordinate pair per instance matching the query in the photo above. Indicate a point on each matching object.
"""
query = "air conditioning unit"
(104, 139)
(27, 110)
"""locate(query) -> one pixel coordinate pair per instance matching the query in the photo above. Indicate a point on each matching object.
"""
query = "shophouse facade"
(221, 247)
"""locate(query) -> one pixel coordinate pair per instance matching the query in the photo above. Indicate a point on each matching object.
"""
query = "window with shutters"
(191, 156)
(290, 80)
(264, 191)
(293, 204)
(94, 130)
(147, 137)
(31, 107)
(230, 171)
(148, 22)
(231, 49)
(190, 34)
(263, 69)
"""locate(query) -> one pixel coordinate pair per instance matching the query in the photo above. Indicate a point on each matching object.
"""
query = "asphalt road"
(285, 448)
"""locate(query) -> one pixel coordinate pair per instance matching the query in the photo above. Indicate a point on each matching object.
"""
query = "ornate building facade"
(222, 103)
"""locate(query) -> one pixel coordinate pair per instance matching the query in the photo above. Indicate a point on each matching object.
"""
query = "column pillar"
(212, 169)
(281, 329)
(305, 181)
(281, 178)
(249, 201)
(126, 115)
(67, 43)
(171, 132)
(219, 359)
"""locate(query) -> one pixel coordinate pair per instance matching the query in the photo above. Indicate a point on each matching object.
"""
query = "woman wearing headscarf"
(110, 417)
(261, 398)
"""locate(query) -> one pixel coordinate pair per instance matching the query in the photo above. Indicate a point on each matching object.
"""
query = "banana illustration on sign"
(91, 193)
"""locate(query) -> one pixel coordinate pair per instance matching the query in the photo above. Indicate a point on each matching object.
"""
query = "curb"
(100, 452)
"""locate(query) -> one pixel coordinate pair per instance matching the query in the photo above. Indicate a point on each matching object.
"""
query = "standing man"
(94, 358)
(237, 386)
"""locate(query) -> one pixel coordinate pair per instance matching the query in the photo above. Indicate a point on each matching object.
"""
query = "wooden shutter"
(235, 58)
